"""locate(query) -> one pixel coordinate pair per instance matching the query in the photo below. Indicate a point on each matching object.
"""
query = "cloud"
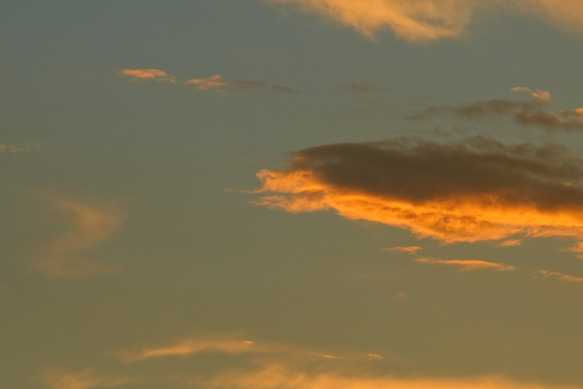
(537, 94)
(216, 83)
(523, 113)
(147, 74)
(220, 84)
(561, 276)
(13, 149)
(57, 378)
(511, 243)
(431, 20)
(89, 227)
(399, 297)
(472, 190)
(227, 344)
(191, 346)
(408, 249)
(358, 88)
(282, 377)
(466, 264)
(375, 357)
(10, 149)
(577, 248)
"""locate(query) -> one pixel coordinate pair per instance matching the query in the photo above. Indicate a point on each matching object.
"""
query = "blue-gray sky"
(291, 194)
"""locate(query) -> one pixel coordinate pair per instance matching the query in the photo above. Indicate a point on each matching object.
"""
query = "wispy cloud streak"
(216, 84)
(191, 346)
(466, 264)
(88, 227)
(408, 249)
(524, 113)
(560, 276)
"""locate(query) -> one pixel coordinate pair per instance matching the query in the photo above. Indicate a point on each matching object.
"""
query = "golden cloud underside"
(488, 196)
(430, 20)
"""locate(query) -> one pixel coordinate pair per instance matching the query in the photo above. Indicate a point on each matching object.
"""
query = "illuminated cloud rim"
(531, 113)
(430, 20)
(472, 190)
(216, 83)
(277, 376)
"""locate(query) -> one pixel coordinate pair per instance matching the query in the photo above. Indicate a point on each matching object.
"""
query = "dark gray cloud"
(523, 113)
(475, 189)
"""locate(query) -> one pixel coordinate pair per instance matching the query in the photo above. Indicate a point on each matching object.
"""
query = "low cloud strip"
(474, 190)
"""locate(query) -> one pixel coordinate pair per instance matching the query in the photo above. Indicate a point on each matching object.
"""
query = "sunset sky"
(291, 194)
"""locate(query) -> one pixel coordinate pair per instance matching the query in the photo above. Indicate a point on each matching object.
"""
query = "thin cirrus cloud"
(531, 113)
(57, 378)
(407, 249)
(216, 84)
(280, 376)
(226, 344)
(471, 190)
(465, 265)
(431, 20)
(88, 227)
(560, 276)
(191, 346)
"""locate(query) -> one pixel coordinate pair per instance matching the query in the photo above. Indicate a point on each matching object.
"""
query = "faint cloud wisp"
(89, 226)
(216, 84)
(466, 264)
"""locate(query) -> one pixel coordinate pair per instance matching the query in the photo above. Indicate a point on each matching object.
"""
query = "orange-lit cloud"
(191, 346)
(216, 83)
(327, 356)
(560, 276)
(473, 190)
(57, 378)
(226, 344)
(537, 94)
(511, 243)
(408, 249)
(577, 248)
(10, 149)
(429, 20)
(282, 377)
(399, 297)
(466, 264)
(375, 357)
(88, 227)
(147, 74)
(219, 84)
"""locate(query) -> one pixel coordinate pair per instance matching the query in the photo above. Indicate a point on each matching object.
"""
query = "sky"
(291, 194)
